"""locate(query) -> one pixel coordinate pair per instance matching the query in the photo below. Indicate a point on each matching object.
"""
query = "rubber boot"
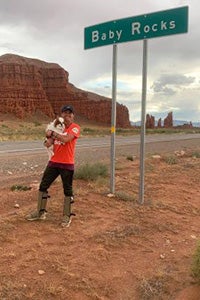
(41, 212)
(42, 201)
(72, 199)
(66, 211)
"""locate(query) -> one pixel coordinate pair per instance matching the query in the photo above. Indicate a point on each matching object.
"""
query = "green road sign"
(162, 23)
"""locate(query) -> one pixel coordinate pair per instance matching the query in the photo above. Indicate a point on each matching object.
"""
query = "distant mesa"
(168, 122)
(30, 85)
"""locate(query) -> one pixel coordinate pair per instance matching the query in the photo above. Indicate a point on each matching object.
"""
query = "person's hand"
(48, 142)
(49, 133)
(54, 135)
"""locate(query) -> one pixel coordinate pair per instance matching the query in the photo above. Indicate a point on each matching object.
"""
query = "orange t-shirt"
(64, 152)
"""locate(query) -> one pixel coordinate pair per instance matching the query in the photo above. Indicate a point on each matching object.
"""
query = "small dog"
(57, 126)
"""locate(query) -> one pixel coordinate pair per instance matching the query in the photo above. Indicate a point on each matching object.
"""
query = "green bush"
(4, 126)
(196, 154)
(130, 157)
(123, 196)
(196, 263)
(88, 130)
(18, 187)
(171, 160)
(37, 124)
(91, 172)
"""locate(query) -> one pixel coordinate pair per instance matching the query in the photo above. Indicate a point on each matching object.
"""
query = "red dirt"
(115, 248)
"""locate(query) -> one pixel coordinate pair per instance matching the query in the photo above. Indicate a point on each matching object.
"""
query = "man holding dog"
(61, 163)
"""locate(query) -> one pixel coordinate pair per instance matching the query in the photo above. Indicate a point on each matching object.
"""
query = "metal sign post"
(143, 27)
(113, 119)
(143, 119)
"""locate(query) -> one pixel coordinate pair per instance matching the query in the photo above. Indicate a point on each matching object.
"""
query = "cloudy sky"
(53, 31)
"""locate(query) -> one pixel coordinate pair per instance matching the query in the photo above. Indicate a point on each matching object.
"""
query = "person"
(61, 163)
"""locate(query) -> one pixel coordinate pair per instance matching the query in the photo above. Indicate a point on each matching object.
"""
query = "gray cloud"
(54, 31)
(168, 83)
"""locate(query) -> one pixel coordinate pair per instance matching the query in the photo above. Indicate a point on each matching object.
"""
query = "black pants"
(51, 173)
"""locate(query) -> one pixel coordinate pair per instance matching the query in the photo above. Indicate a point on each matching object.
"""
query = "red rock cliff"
(29, 85)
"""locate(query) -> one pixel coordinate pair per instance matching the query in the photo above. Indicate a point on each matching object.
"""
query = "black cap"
(66, 108)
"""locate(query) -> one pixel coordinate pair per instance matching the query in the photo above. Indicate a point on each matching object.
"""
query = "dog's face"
(57, 125)
(59, 122)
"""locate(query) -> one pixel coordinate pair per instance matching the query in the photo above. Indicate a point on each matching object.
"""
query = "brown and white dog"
(57, 126)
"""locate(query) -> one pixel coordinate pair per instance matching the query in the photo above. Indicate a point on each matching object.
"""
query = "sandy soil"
(115, 248)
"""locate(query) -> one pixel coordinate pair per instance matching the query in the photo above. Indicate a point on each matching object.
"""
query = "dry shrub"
(91, 171)
(196, 263)
(153, 288)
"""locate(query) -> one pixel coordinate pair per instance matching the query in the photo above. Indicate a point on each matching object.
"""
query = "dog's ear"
(61, 120)
(57, 122)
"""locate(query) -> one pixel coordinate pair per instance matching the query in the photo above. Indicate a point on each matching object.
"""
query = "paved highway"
(97, 142)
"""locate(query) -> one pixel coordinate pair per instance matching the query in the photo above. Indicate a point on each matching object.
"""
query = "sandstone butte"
(30, 85)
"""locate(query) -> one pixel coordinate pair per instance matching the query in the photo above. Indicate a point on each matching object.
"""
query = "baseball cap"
(67, 107)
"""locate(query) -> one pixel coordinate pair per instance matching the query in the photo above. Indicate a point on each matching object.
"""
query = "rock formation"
(159, 125)
(30, 85)
(186, 126)
(168, 121)
(150, 121)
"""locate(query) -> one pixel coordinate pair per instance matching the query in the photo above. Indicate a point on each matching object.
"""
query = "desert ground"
(115, 248)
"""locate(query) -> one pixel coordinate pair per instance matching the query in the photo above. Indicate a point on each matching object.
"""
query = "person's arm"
(63, 138)
(49, 133)
(48, 142)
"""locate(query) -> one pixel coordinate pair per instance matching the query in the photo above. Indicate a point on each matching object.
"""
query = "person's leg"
(50, 174)
(67, 180)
